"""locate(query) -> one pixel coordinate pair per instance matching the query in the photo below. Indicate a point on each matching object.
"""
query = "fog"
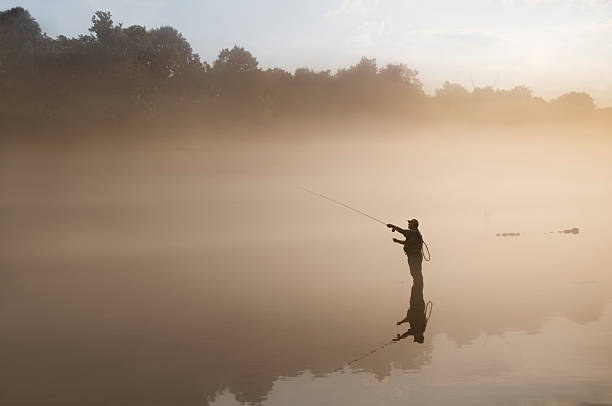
(192, 269)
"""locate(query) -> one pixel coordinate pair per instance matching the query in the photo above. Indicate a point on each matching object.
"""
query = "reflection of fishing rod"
(365, 355)
(343, 205)
(427, 315)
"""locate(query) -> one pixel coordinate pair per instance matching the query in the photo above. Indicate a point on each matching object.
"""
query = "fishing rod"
(425, 257)
(342, 204)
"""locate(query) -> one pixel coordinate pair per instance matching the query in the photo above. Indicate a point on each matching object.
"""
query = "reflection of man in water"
(415, 315)
(413, 246)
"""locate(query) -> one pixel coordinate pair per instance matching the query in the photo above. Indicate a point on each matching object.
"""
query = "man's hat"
(414, 222)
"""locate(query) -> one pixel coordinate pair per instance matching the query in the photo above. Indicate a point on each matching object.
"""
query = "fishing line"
(426, 258)
(342, 204)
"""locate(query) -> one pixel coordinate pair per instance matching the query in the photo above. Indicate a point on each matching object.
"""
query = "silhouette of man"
(415, 315)
(413, 245)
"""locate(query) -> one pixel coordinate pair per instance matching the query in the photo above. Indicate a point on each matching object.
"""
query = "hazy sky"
(552, 46)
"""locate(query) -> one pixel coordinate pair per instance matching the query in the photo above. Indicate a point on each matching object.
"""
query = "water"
(187, 272)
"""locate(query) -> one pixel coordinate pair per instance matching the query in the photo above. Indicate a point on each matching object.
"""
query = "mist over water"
(192, 269)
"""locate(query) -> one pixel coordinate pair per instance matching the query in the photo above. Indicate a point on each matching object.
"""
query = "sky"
(551, 46)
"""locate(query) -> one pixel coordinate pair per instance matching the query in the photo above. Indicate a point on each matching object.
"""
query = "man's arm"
(399, 241)
(396, 228)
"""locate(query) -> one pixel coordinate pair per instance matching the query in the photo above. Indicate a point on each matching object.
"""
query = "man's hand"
(396, 240)
(392, 227)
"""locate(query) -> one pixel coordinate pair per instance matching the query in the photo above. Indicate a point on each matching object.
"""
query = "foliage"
(115, 73)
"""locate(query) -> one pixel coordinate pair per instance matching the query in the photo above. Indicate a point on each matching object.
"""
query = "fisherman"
(413, 247)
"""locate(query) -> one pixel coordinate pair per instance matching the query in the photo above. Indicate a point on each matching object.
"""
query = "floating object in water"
(574, 230)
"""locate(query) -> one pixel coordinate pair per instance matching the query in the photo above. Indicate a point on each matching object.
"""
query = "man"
(413, 246)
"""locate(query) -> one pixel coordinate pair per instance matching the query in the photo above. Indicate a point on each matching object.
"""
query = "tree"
(400, 75)
(107, 51)
(577, 102)
(235, 60)
(138, 44)
(520, 92)
(170, 53)
(365, 70)
(308, 78)
(18, 30)
(236, 77)
(20, 37)
(109, 36)
(452, 92)
(102, 25)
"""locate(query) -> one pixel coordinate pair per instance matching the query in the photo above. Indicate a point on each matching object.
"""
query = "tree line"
(116, 74)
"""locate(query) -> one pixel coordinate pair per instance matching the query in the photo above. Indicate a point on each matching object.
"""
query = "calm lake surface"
(183, 271)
